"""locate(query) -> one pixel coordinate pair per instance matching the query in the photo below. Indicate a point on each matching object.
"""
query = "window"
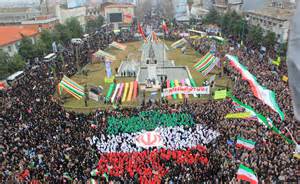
(9, 48)
(280, 25)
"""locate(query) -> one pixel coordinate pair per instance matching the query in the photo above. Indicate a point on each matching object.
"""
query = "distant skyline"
(248, 4)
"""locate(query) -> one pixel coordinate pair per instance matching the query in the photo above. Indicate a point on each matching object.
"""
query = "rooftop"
(272, 12)
(11, 34)
(117, 5)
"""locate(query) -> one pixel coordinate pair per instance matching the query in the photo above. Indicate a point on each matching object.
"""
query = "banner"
(261, 119)
(108, 69)
(187, 90)
(100, 53)
(109, 80)
(220, 94)
(179, 43)
(242, 115)
(267, 96)
(118, 45)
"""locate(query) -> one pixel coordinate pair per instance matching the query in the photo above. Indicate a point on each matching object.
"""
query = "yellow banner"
(285, 78)
(109, 80)
(297, 155)
(220, 94)
(241, 115)
(277, 62)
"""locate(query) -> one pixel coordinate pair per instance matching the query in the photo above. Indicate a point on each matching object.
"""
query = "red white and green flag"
(141, 31)
(260, 118)
(245, 143)
(206, 63)
(265, 95)
(71, 87)
(165, 27)
(246, 174)
(124, 153)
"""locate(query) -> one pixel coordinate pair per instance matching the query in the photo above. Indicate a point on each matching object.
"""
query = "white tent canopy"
(101, 53)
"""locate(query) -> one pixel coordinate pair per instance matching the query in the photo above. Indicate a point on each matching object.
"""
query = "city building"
(46, 22)
(222, 6)
(121, 14)
(12, 36)
(198, 11)
(62, 12)
(274, 18)
(93, 11)
(17, 14)
(181, 10)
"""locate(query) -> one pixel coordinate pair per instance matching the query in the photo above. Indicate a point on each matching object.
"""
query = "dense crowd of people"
(43, 143)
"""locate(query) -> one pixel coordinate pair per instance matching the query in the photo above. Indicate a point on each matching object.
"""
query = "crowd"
(43, 143)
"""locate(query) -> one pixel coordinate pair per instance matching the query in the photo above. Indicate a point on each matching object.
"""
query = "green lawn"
(96, 74)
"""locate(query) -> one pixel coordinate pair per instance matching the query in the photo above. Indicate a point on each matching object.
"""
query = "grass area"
(96, 75)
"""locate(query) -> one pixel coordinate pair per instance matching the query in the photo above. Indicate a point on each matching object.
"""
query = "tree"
(62, 34)
(212, 17)
(93, 25)
(233, 24)
(26, 49)
(40, 48)
(47, 38)
(16, 63)
(3, 64)
(255, 35)
(269, 40)
(75, 28)
(9, 65)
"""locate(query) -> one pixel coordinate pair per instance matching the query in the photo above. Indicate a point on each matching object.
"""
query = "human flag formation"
(71, 87)
(206, 63)
(125, 150)
(265, 95)
(246, 174)
(244, 143)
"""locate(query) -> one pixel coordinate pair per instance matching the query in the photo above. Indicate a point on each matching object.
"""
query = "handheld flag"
(246, 174)
(141, 31)
(165, 27)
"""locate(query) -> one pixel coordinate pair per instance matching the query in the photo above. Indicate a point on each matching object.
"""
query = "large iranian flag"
(246, 174)
(265, 95)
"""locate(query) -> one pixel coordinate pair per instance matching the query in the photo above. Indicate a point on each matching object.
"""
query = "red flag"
(141, 31)
(165, 27)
